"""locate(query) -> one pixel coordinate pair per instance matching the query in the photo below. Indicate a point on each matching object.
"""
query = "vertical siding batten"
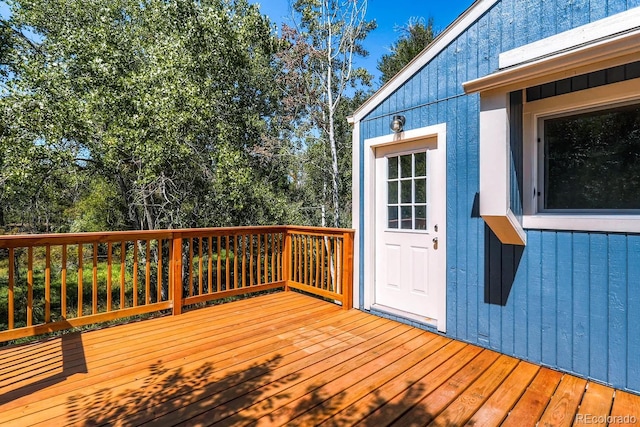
(564, 282)
(549, 301)
(598, 328)
(617, 310)
(633, 314)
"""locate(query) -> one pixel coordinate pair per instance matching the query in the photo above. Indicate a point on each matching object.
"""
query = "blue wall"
(574, 301)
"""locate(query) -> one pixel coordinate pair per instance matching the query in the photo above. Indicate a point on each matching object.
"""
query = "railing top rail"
(319, 230)
(26, 240)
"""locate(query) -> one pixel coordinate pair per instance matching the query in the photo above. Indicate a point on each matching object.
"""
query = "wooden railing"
(60, 281)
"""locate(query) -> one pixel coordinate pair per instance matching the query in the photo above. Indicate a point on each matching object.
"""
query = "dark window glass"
(406, 219)
(392, 190)
(405, 166)
(405, 191)
(421, 217)
(421, 190)
(421, 164)
(393, 167)
(592, 160)
(393, 216)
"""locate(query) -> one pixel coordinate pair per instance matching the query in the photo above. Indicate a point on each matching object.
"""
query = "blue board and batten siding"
(573, 297)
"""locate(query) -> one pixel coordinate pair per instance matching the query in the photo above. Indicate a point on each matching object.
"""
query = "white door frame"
(369, 226)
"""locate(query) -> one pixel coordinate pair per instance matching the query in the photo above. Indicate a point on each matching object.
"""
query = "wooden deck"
(286, 358)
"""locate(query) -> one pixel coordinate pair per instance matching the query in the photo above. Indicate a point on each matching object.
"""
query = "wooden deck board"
(284, 359)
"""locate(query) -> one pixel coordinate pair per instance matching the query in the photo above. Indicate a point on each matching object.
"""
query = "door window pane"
(420, 164)
(393, 168)
(406, 220)
(421, 217)
(405, 191)
(421, 190)
(393, 216)
(392, 191)
(405, 166)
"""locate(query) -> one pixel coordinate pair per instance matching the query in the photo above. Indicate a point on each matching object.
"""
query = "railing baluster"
(273, 258)
(190, 267)
(250, 243)
(219, 265)
(318, 284)
(147, 273)
(135, 273)
(279, 257)
(322, 263)
(80, 279)
(266, 258)
(47, 285)
(305, 257)
(159, 280)
(227, 270)
(210, 266)
(123, 271)
(335, 260)
(259, 260)
(109, 271)
(30, 286)
(94, 282)
(200, 267)
(236, 238)
(243, 249)
(11, 296)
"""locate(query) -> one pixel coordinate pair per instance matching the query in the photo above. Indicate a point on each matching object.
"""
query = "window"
(582, 160)
(407, 191)
(591, 161)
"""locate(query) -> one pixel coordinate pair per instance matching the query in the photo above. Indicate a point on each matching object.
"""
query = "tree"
(415, 36)
(322, 46)
(164, 103)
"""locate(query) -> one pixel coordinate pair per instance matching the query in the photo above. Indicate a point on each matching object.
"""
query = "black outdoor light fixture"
(397, 124)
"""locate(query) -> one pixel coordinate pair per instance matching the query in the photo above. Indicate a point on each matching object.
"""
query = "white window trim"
(600, 97)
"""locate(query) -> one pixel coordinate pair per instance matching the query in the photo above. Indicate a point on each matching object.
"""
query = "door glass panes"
(407, 191)
(406, 217)
(392, 192)
(405, 166)
(393, 168)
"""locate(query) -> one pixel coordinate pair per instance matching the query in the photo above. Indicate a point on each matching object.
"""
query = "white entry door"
(410, 192)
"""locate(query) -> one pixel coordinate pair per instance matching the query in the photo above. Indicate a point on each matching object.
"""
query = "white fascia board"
(572, 39)
(452, 32)
(618, 46)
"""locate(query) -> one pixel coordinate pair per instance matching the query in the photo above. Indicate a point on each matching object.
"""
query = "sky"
(389, 15)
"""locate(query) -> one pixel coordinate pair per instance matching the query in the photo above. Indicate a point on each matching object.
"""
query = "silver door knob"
(435, 240)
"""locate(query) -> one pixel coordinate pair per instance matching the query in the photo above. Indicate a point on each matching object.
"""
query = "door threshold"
(405, 314)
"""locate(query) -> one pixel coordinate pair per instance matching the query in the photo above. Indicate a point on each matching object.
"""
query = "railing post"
(347, 271)
(176, 276)
(286, 259)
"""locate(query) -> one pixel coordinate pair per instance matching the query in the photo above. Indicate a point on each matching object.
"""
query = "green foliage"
(414, 38)
(155, 110)
(322, 82)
